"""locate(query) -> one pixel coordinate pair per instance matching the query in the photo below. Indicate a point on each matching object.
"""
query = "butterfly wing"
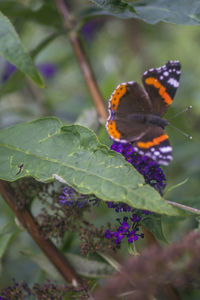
(161, 85)
(155, 144)
(127, 99)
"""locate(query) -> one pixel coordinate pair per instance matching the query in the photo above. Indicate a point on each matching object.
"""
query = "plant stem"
(83, 62)
(185, 207)
(29, 223)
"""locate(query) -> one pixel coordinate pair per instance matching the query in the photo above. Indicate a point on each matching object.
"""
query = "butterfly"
(136, 113)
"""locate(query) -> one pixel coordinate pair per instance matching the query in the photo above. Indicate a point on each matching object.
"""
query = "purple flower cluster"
(151, 171)
(126, 230)
(72, 198)
(47, 69)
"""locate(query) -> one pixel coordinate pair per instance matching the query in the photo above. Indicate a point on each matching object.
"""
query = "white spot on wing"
(163, 162)
(172, 81)
(166, 149)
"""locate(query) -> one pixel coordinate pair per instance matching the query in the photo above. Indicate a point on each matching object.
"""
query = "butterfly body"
(136, 113)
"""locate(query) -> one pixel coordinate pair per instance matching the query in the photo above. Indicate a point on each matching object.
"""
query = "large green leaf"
(177, 11)
(12, 49)
(46, 150)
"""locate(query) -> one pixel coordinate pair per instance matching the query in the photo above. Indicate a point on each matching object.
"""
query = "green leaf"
(154, 224)
(6, 234)
(178, 11)
(115, 6)
(171, 188)
(82, 266)
(17, 79)
(46, 14)
(46, 150)
(12, 49)
(112, 262)
(89, 268)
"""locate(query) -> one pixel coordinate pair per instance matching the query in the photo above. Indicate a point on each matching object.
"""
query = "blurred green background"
(119, 51)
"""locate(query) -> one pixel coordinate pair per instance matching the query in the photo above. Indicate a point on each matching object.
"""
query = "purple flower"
(125, 230)
(135, 218)
(47, 69)
(118, 235)
(119, 207)
(72, 198)
(9, 69)
(150, 169)
(132, 236)
(90, 28)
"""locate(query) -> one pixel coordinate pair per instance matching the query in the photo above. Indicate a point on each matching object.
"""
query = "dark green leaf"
(154, 225)
(178, 11)
(6, 234)
(89, 268)
(73, 155)
(82, 266)
(12, 49)
(46, 14)
(14, 82)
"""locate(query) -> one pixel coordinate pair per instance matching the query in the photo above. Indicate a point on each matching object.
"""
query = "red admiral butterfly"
(135, 113)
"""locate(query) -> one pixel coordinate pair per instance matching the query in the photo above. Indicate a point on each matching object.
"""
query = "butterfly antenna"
(181, 112)
(182, 132)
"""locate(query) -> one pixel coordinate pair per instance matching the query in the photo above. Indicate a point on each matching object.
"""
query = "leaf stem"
(49, 249)
(83, 61)
(185, 207)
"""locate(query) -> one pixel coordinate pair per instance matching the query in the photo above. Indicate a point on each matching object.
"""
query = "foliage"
(89, 197)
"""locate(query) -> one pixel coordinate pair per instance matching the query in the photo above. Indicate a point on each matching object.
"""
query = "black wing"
(128, 99)
(161, 85)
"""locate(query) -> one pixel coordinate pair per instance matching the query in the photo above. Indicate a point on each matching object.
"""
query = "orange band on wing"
(116, 96)
(112, 130)
(155, 142)
(162, 90)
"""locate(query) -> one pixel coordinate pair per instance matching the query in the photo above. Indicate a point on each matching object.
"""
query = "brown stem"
(28, 222)
(83, 63)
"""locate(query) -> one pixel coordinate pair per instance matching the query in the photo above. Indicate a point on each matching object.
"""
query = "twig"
(83, 62)
(185, 207)
(28, 222)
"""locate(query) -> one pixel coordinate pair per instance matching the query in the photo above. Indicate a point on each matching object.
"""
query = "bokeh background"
(119, 51)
